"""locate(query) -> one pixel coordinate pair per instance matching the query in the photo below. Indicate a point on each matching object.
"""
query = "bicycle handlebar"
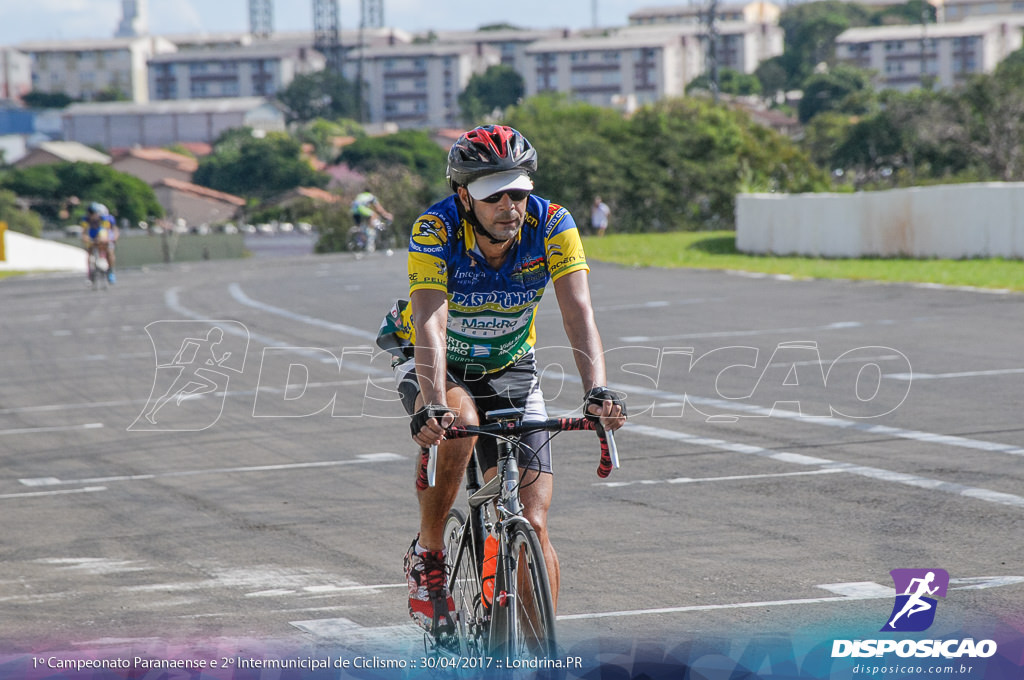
(609, 452)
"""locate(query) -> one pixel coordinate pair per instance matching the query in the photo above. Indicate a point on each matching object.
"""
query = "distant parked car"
(73, 231)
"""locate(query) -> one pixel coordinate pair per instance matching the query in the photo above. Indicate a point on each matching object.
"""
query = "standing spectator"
(599, 216)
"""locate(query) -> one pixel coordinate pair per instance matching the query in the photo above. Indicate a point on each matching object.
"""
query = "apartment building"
(250, 71)
(958, 10)
(510, 43)
(635, 67)
(749, 12)
(947, 54)
(122, 125)
(82, 69)
(417, 85)
(739, 45)
(15, 74)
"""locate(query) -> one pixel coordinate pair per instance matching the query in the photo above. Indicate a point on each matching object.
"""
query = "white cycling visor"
(508, 180)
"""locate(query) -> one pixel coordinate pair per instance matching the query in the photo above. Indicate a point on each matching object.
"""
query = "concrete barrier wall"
(952, 221)
(27, 253)
(137, 250)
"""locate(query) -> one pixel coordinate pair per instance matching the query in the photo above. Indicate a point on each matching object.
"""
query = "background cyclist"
(479, 262)
(99, 231)
(364, 207)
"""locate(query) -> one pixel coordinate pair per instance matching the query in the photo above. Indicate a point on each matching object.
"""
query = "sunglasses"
(515, 194)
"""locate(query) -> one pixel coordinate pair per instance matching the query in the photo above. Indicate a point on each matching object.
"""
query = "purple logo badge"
(916, 590)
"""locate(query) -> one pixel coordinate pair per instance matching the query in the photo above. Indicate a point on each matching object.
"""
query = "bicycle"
(99, 266)
(372, 236)
(517, 619)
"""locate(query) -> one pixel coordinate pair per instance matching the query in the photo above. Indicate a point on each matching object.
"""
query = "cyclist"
(99, 231)
(366, 209)
(479, 262)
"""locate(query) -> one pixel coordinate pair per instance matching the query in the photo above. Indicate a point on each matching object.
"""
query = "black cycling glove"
(420, 418)
(597, 396)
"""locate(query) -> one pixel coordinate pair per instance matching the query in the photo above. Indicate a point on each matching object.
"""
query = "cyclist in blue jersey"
(479, 263)
(100, 232)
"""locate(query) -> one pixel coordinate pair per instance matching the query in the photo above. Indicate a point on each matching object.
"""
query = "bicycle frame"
(500, 627)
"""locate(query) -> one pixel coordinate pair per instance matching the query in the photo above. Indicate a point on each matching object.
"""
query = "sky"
(30, 20)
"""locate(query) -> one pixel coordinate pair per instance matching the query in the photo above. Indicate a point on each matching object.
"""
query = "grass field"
(717, 250)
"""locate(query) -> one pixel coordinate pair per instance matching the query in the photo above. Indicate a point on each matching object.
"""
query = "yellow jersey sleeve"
(562, 245)
(428, 250)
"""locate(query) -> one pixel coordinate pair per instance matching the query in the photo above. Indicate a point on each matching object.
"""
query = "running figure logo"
(195, 378)
(914, 609)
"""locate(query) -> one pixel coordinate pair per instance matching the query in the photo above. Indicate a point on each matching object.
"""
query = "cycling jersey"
(101, 231)
(362, 203)
(491, 312)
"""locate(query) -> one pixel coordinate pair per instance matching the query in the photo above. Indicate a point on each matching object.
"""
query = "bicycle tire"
(471, 619)
(524, 618)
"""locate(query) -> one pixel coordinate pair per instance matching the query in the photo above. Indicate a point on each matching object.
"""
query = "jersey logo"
(429, 231)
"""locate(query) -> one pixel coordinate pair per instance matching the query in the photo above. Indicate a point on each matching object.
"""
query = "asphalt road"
(275, 508)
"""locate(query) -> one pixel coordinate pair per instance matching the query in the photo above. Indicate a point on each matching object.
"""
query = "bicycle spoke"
(464, 583)
(530, 613)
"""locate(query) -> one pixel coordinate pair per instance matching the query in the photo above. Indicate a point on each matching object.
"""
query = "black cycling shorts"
(516, 386)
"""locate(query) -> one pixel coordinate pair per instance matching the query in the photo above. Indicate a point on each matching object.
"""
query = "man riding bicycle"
(366, 210)
(479, 262)
(99, 232)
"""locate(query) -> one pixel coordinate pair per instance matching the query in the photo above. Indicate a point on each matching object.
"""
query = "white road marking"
(240, 296)
(859, 589)
(172, 302)
(987, 495)
(752, 410)
(826, 362)
(59, 492)
(839, 325)
(43, 408)
(947, 376)
(58, 428)
(731, 478)
(352, 633)
(360, 459)
(826, 421)
(849, 594)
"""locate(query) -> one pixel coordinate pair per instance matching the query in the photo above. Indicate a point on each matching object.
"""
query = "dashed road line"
(363, 458)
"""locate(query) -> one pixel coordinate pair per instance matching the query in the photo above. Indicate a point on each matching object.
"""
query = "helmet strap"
(478, 228)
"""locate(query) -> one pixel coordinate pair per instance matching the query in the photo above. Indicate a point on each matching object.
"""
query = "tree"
(843, 88)
(257, 167)
(49, 187)
(22, 221)
(413, 149)
(497, 88)
(910, 13)
(47, 100)
(772, 76)
(322, 133)
(913, 137)
(991, 112)
(323, 94)
(730, 81)
(578, 148)
(811, 29)
(678, 163)
(402, 191)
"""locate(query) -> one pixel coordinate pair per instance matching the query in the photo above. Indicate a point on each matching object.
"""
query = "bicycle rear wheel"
(524, 618)
(471, 621)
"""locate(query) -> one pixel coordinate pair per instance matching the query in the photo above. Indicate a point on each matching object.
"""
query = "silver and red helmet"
(487, 150)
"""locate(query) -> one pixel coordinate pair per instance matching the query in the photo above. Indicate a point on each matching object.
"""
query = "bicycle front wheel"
(524, 616)
(465, 586)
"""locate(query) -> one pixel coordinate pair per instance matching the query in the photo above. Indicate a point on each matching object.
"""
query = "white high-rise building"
(134, 19)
